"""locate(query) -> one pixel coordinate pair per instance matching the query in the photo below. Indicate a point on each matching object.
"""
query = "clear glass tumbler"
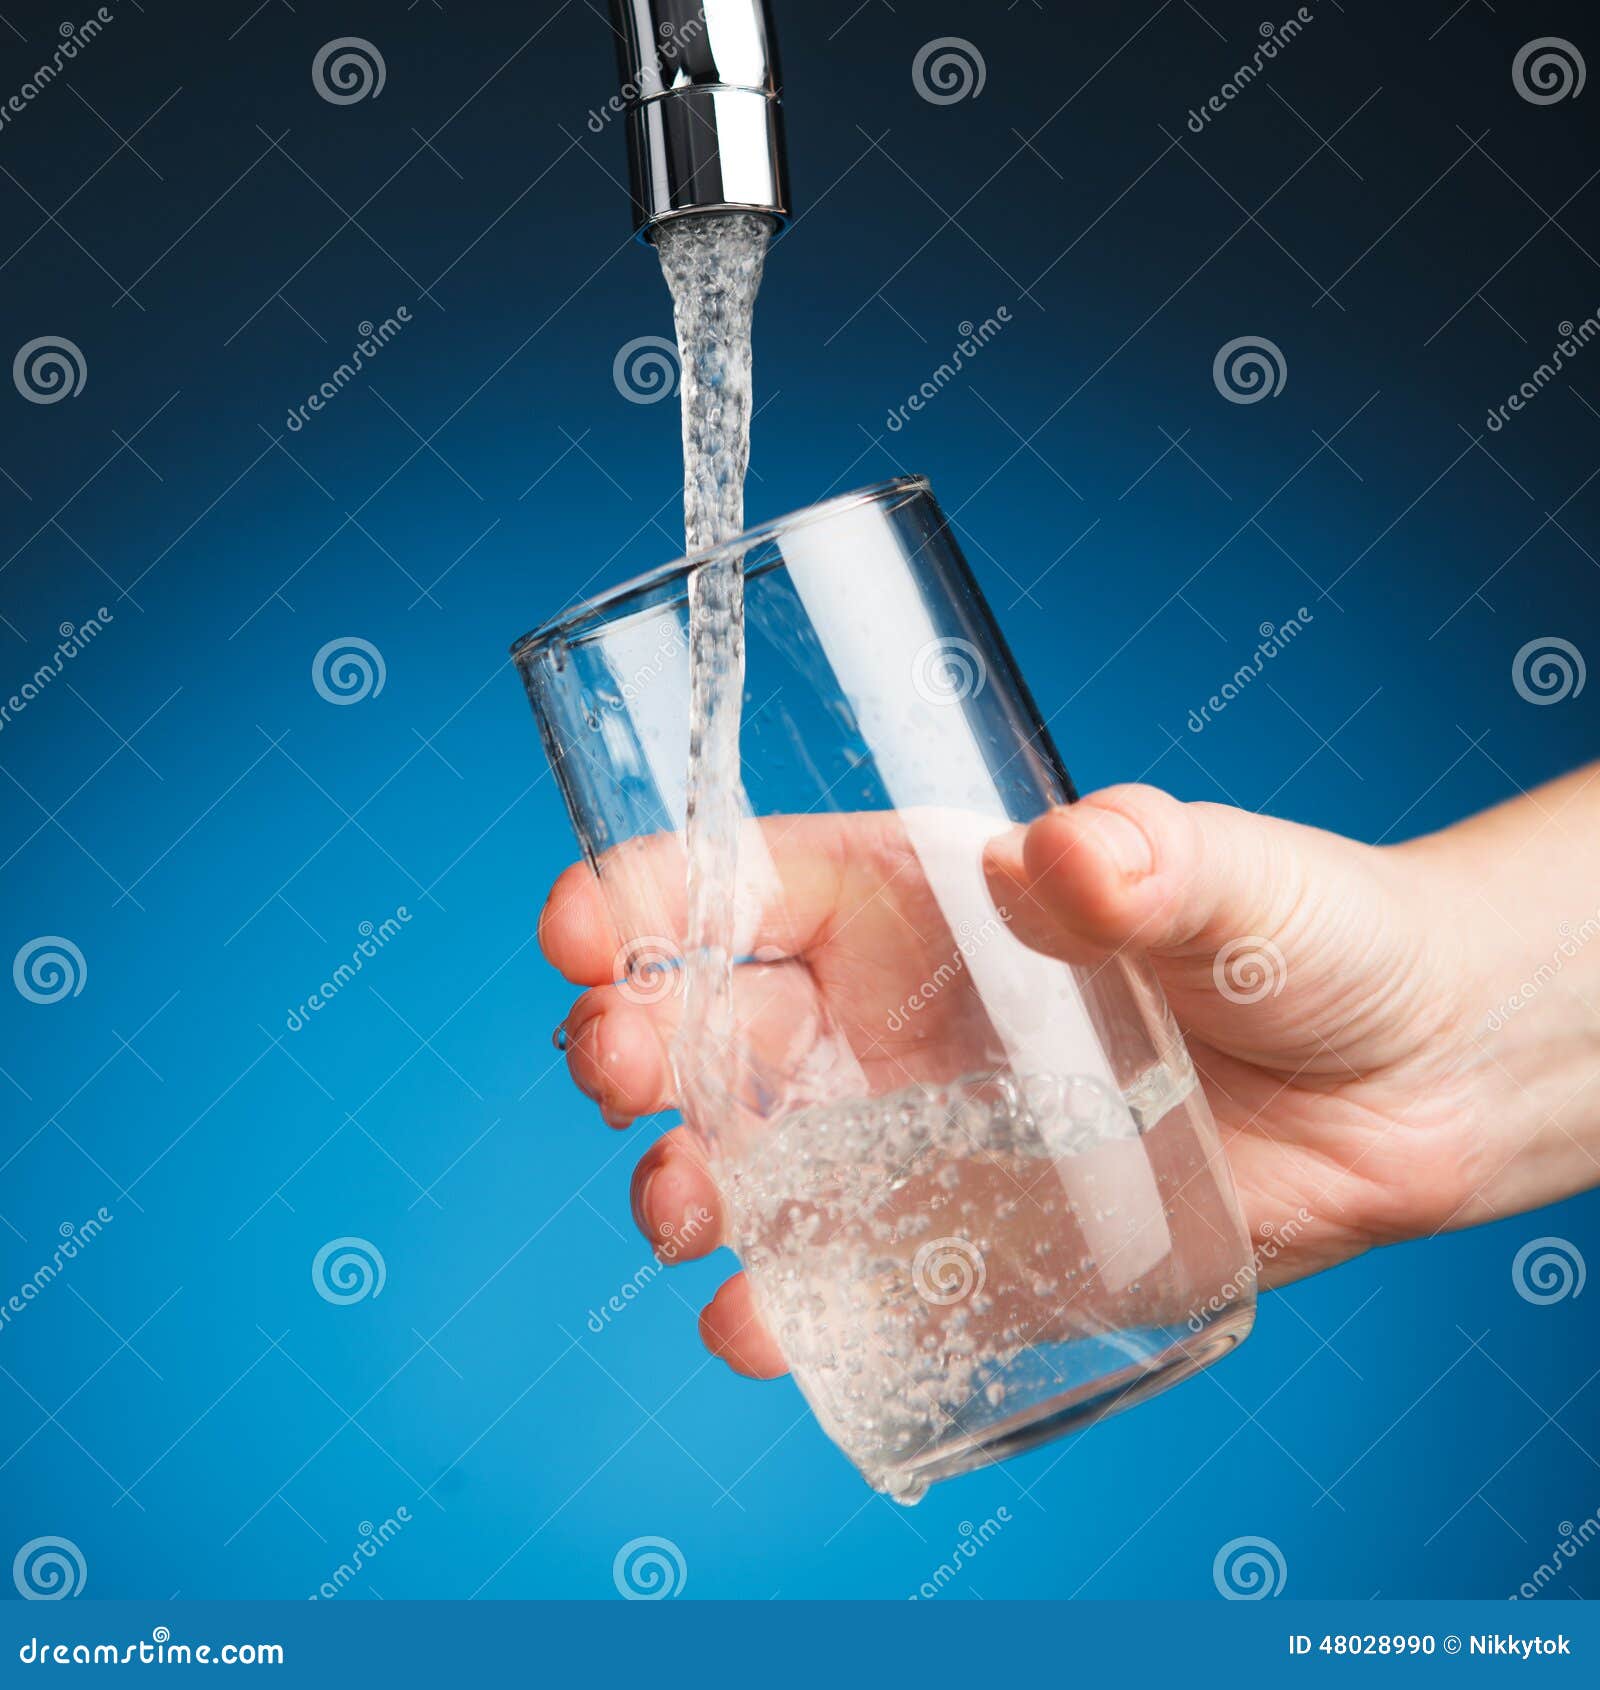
(978, 1192)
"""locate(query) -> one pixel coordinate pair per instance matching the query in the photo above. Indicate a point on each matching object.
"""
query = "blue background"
(184, 806)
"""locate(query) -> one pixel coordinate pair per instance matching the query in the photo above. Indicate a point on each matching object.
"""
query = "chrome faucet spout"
(702, 93)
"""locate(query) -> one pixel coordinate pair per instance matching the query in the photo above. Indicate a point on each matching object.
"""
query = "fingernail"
(641, 1200)
(1125, 843)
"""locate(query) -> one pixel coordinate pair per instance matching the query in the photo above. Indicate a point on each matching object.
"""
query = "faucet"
(702, 93)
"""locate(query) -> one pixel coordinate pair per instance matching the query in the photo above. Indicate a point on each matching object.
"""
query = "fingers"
(732, 1331)
(796, 875)
(677, 1207)
(617, 1053)
(1132, 865)
(676, 1204)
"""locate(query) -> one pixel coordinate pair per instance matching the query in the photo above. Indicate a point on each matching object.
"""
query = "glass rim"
(603, 605)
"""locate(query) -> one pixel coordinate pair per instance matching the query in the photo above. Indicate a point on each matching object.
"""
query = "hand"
(1357, 1103)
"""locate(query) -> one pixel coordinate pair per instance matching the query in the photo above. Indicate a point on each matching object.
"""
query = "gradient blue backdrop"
(184, 806)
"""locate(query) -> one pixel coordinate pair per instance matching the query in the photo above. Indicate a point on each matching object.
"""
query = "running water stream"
(713, 266)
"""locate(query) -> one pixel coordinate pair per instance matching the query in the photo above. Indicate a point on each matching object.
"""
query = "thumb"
(1266, 935)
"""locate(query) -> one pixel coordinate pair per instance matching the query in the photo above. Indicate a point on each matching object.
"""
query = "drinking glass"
(977, 1191)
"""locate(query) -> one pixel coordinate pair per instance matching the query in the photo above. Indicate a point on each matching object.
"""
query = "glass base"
(1106, 1392)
